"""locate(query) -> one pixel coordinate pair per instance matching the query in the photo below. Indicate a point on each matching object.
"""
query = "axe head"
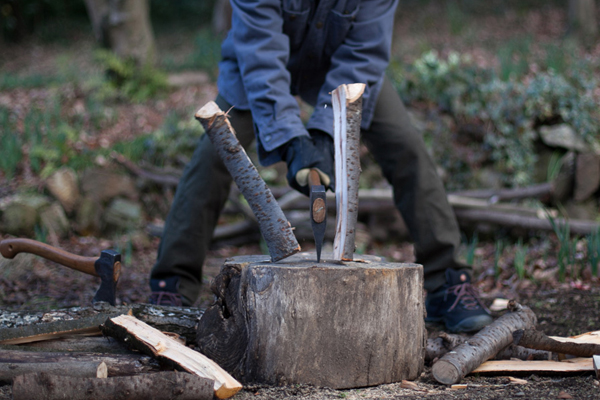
(108, 268)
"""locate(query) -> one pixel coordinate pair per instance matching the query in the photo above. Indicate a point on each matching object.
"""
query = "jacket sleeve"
(362, 57)
(262, 52)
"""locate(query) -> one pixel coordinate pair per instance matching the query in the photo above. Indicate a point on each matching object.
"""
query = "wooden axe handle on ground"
(107, 266)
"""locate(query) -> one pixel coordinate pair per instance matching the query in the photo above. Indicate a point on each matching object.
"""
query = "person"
(279, 49)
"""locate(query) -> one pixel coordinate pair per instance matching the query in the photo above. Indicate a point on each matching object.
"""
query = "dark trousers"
(394, 143)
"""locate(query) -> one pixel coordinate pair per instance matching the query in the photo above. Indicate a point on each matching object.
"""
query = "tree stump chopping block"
(333, 324)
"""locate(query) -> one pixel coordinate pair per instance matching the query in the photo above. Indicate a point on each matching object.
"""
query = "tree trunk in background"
(124, 27)
(582, 19)
(221, 20)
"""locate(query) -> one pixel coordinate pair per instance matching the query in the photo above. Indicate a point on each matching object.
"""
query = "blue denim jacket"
(280, 48)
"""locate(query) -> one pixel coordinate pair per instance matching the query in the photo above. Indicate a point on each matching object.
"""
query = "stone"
(585, 210)
(563, 136)
(21, 214)
(334, 324)
(123, 215)
(103, 185)
(587, 176)
(54, 220)
(64, 186)
(88, 217)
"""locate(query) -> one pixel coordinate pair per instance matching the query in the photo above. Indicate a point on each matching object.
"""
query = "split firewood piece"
(273, 224)
(534, 339)
(347, 116)
(569, 366)
(161, 385)
(455, 365)
(153, 342)
(596, 361)
(8, 371)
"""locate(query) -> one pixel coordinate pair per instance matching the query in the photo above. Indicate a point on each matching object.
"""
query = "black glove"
(303, 153)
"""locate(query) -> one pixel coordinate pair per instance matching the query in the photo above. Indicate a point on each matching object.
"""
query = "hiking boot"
(165, 292)
(457, 304)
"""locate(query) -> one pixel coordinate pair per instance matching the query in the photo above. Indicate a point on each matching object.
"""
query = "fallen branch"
(454, 366)
(534, 339)
(160, 179)
(163, 385)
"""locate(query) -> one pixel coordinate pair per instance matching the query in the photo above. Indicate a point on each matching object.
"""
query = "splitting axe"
(107, 266)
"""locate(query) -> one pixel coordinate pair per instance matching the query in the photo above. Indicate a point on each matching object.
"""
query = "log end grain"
(209, 110)
(445, 372)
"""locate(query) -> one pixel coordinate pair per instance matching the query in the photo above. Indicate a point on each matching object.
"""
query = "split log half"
(347, 116)
(162, 385)
(153, 342)
(454, 366)
(514, 367)
(340, 325)
(273, 224)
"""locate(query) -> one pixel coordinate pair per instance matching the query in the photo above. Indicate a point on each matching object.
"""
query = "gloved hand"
(304, 153)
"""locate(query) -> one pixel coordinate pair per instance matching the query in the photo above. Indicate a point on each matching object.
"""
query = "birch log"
(455, 365)
(347, 116)
(273, 224)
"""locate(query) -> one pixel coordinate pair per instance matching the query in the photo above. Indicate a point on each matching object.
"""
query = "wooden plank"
(153, 342)
(511, 366)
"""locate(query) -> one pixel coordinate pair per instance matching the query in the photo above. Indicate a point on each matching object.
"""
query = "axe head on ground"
(108, 268)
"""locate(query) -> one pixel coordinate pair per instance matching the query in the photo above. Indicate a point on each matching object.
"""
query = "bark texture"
(117, 364)
(274, 226)
(163, 385)
(124, 27)
(339, 325)
(347, 116)
(9, 371)
(148, 340)
(454, 366)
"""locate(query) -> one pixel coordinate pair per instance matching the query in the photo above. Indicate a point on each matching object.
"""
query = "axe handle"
(9, 248)
(313, 178)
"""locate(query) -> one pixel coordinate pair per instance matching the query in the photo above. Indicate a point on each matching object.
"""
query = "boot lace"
(466, 295)
(166, 299)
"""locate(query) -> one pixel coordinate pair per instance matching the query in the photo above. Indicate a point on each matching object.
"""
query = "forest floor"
(563, 308)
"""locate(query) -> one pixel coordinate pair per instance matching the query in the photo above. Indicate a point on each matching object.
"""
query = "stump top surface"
(309, 260)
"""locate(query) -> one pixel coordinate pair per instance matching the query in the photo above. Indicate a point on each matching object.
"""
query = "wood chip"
(517, 381)
(499, 305)
(412, 386)
(564, 395)
(459, 386)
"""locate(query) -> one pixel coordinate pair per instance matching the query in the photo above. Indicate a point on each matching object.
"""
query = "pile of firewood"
(102, 353)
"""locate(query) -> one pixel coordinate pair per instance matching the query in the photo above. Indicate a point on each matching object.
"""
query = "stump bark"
(334, 324)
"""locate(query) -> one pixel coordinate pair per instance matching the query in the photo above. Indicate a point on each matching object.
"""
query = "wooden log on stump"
(274, 226)
(163, 385)
(346, 101)
(340, 325)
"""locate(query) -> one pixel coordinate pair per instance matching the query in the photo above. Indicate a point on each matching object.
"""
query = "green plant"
(126, 78)
(563, 233)
(520, 258)
(498, 249)
(593, 250)
(471, 249)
